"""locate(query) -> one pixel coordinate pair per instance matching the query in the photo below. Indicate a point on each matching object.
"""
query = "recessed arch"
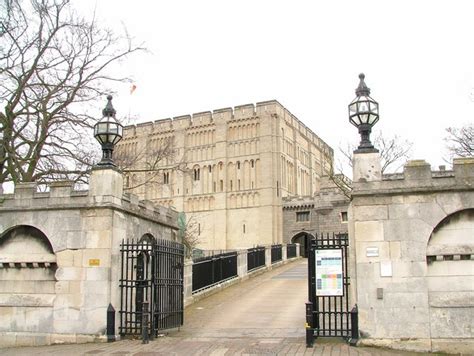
(450, 273)
(148, 238)
(453, 235)
(304, 239)
(32, 238)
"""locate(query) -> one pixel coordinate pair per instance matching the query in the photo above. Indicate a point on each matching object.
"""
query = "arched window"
(197, 174)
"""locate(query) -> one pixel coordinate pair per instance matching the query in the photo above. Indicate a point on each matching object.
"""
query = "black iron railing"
(211, 270)
(276, 253)
(290, 250)
(255, 258)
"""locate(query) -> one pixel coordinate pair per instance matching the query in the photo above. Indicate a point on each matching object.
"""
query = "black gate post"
(354, 326)
(309, 326)
(110, 323)
(145, 317)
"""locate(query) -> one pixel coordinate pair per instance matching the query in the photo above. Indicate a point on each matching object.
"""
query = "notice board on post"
(329, 272)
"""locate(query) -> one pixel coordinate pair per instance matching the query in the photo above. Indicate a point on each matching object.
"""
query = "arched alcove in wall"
(27, 273)
(450, 275)
(25, 244)
(453, 236)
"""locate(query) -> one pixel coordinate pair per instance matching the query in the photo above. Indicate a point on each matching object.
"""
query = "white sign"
(386, 269)
(372, 251)
(329, 272)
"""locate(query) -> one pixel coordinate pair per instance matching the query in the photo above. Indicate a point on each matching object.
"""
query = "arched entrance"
(303, 238)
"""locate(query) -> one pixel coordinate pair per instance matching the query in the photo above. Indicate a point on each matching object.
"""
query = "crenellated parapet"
(418, 176)
(228, 115)
(61, 195)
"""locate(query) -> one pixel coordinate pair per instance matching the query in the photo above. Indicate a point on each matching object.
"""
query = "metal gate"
(328, 313)
(151, 287)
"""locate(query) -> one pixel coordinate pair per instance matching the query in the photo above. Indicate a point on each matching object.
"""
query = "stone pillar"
(106, 180)
(268, 256)
(242, 263)
(188, 280)
(366, 167)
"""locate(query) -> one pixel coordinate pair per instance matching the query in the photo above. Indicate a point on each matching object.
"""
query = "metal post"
(110, 323)
(354, 326)
(308, 325)
(145, 335)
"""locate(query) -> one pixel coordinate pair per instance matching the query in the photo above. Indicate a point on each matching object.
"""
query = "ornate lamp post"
(363, 114)
(108, 132)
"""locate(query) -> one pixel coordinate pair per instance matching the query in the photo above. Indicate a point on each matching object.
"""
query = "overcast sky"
(418, 57)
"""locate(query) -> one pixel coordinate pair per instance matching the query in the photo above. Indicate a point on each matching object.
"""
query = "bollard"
(145, 316)
(354, 326)
(110, 323)
(308, 325)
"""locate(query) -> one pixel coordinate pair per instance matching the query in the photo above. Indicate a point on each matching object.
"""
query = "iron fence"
(290, 250)
(255, 258)
(276, 253)
(208, 271)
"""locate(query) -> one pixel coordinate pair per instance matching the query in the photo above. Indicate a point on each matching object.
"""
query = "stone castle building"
(230, 169)
(325, 212)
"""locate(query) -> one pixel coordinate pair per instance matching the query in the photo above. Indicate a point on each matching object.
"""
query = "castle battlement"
(61, 195)
(418, 176)
(227, 115)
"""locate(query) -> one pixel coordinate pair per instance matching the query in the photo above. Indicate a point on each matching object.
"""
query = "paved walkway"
(262, 316)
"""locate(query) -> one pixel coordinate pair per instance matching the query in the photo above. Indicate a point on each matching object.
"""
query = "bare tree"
(150, 164)
(53, 65)
(394, 152)
(460, 141)
(189, 233)
(342, 182)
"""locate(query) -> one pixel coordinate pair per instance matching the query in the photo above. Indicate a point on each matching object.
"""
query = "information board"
(329, 274)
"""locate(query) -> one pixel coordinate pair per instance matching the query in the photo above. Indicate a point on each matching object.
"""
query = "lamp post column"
(363, 114)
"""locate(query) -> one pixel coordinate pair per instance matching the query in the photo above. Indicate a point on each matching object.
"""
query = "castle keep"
(230, 169)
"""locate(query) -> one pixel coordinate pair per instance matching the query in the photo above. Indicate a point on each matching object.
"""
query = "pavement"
(263, 315)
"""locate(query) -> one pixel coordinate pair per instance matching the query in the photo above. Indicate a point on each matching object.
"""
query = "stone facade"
(412, 238)
(60, 258)
(231, 166)
(325, 212)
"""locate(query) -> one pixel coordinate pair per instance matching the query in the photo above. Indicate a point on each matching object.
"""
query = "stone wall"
(327, 210)
(59, 257)
(412, 238)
